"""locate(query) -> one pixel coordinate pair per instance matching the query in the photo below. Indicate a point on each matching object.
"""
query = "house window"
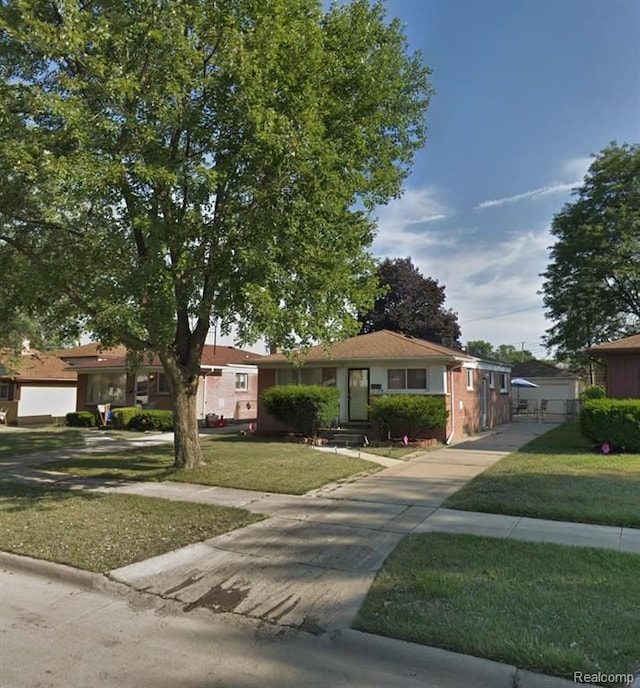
(396, 379)
(4, 391)
(469, 379)
(299, 376)
(242, 382)
(492, 380)
(106, 388)
(412, 378)
(162, 384)
(503, 383)
(416, 378)
(329, 377)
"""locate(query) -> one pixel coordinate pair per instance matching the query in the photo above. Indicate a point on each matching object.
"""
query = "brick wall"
(467, 403)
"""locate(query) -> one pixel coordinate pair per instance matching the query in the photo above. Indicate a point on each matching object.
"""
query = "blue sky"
(526, 91)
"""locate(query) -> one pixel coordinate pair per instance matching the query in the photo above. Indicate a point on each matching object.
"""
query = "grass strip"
(99, 532)
(247, 463)
(538, 606)
(400, 453)
(558, 476)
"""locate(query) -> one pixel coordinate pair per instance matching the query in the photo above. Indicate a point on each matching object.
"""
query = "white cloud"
(534, 193)
(415, 206)
(576, 168)
(491, 285)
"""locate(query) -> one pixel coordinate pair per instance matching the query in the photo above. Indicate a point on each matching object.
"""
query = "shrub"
(81, 419)
(302, 407)
(156, 419)
(121, 417)
(408, 414)
(615, 421)
(593, 392)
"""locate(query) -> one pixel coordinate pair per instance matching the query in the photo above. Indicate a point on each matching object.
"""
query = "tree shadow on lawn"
(16, 497)
(33, 442)
(154, 463)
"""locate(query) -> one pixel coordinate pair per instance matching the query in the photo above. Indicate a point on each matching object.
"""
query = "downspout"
(204, 398)
(453, 407)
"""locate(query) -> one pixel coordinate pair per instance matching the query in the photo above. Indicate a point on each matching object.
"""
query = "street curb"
(443, 666)
(59, 572)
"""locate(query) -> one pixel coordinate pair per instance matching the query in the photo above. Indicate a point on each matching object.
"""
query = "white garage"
(40, 400)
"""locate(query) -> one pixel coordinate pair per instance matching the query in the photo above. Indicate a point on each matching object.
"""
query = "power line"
(500, 315)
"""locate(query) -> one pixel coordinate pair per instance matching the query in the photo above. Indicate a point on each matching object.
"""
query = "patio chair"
(3, 415)
(543, 408)
(521, 406)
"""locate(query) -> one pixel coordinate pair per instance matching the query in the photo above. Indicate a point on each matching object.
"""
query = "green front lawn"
(248, 463)
(558, 476)
(15, 442)
(99, 532)
(541, 607)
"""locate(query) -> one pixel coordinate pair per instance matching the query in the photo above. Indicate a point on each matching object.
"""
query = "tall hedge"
(614, 421)
(408, 414)
(304, 408)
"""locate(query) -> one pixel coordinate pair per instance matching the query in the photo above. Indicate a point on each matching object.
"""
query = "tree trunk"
(184, 393)
(186, 445)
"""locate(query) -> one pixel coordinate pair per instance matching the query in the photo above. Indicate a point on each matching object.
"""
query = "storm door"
(358, 394)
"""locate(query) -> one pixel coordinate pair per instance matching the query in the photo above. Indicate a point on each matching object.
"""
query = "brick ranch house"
(228, 385)
(622, 361)
(476, 392)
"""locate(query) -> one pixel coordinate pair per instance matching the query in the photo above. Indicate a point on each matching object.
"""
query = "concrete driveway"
(311, 563)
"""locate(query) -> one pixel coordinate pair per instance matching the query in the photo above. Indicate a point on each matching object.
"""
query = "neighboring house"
(35, 387)
(228, 386)
(622, 360)
(558, 388)
(476, 392)
(86, 353)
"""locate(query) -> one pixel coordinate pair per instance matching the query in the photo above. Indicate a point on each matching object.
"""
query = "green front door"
(358, 394)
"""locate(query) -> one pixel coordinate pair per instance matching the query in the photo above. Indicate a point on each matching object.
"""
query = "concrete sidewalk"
(310, 565)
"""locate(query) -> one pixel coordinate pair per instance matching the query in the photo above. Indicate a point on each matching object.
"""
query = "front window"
(417, 378)
(396, 378)
(106, 388)
(300, 376)
(492, 380)
(469, 379)
(503, 382)
(4, 391)
(411, 378)
(242, 382)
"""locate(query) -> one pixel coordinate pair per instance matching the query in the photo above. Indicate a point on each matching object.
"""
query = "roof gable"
(212, 355)
(92, 350)
(375, 345)
(627, 344)
(35, 365)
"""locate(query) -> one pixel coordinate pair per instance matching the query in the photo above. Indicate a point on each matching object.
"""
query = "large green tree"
(167, 163)
(507, 353)
(412, 304)
(592, 284)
